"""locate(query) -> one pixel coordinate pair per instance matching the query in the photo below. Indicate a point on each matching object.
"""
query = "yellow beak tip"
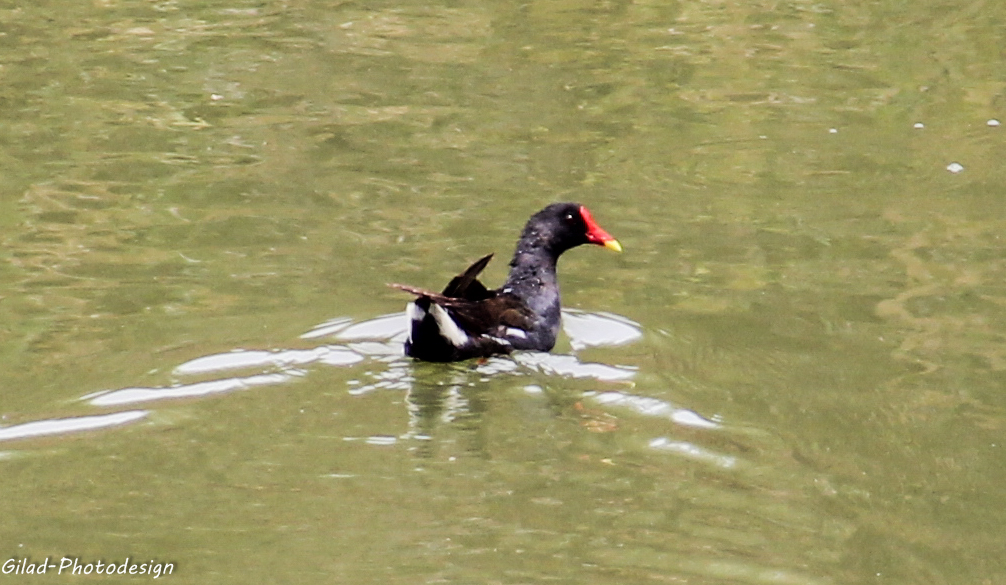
(613, 245)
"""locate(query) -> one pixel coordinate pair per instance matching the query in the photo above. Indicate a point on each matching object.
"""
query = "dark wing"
(466, 285)
(463, 287)
(476, 309)
(490, 315)
(486, 316)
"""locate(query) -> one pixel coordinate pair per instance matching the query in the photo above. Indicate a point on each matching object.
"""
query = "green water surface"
(794, 374)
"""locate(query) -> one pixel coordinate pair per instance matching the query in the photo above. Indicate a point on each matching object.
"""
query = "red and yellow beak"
(596, 235)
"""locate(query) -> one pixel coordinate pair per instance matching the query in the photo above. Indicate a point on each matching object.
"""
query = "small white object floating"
(919, 126)
(955, 167)
(993, 122)
(832, 130)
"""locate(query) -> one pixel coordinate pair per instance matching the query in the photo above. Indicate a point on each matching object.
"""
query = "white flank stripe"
(515, 332)
(414, 313)
(449, 330)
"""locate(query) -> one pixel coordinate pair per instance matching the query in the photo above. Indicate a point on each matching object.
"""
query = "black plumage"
(469, 320)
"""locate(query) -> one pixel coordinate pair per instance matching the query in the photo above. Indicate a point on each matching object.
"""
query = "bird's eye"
(569, 217)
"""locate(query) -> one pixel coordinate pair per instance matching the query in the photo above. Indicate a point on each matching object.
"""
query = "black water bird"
(468, 320)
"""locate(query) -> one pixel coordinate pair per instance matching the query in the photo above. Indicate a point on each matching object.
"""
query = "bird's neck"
(532, 269)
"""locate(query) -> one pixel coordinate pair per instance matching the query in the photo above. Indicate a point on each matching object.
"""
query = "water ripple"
(654, 407)
(135, 395)
(58, 426)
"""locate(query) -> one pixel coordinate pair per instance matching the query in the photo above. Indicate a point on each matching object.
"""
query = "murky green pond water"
(796, 372)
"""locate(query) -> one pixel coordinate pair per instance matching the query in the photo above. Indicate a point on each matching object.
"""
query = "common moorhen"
(468, 320)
